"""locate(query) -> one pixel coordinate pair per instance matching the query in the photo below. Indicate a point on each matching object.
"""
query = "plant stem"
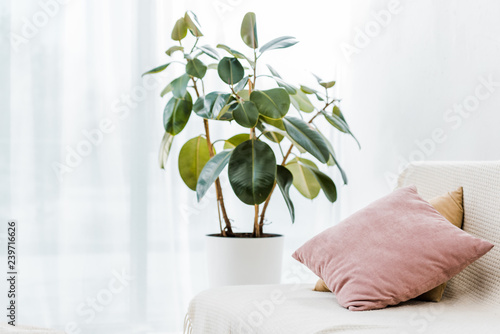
(256, 226)
(285, 158)
(227, 231)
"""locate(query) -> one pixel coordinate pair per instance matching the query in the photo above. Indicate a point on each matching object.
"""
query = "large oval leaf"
(179, 86)
(284, 179)
(210, 105)
(304, 179)
(308, 138)
(230, 70)
(279, 43)
(180, 30)
(246, 114)
(166, 144)
(252, 171)
(211, 172)
(325, 183)
(192, 23)
(196, 68)
(236, 140)
(249, 30)
(272, 103)
(192, 158)
(176, 114)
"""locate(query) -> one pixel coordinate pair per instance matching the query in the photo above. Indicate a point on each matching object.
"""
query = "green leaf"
(243, 94)
(282, 83)
(174, 48)
(328, 84)
(301, 102)
(273, 136)
(303, 178)
(279, 43)
(213, 66)
(308, 90)
(333, 159)
(210, 105)
(192, 23)
(325, 183)
(230, 70)
(196, 68)
(249, 30)
(211, 172)
(209, 51)
(168, 88)
(246, 114)
(180, 30)
(272, 103)
(252, 171)
(226, 113)
(236, 140)
(336, 111)
(157, 69)
(308, 138)
(176, 114)
(166, 144)
(235, 53)
(339, 123)
(192, 158)
(179, 86)
(241, 84)
(284, 179)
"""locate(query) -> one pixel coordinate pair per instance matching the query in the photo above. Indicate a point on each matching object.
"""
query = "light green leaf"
(236, 140)
(166, 144)
(179, 86)
(273, 136)
(246, 114)
(243, 94)
(328, 84)
(304, 179)
(249, 30)
(308, 138)
(211, 172)
(279, 43)
(176, 114)
(241, 84)
(279, 80)
(192, 23)
(340, 124)
(252, 171)
(180, 30)
(213, 66)
(336, 111)
(209, 51)
(325, 183)
(196, 68)
(284, 179)
(192, 158)
(174, 48)
(230, 70)
(168, 88)
(301, 102)
(333, 159)
(272, 103)
(236, 54)
(157, 69)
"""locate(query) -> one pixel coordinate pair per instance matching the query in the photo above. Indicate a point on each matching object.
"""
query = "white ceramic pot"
(239, 261)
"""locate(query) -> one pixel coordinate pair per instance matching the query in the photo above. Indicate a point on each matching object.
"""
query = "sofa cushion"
(393, 250)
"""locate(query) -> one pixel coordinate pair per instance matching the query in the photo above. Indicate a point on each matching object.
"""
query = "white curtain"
(108, 242)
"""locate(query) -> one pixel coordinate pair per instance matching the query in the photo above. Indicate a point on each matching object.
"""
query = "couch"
(471, 303)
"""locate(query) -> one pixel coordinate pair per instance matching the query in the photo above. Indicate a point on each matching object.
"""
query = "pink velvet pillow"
(391, 251)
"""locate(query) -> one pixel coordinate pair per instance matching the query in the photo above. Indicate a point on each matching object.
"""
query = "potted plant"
(282, 117)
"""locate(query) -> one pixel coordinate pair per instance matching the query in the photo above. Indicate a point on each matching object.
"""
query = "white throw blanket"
(297, 309)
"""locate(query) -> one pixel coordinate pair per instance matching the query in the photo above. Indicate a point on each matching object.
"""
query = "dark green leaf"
(192, 23)
(210, 105)
(180, 30)
(333, 159)
(192, 158)
(279, 43)
(176, 114)
(211, 172)
(272, 103)
(325, 183)
(249, 30)
(209, 51)
(166, 144)
(196, 68)
(236, 140)
(252, 171)
(230, 70)
(304, 179)
(340, 124)
(179, 86)
(246, 114)
(174, 48)
(308, 138)
(157, 69)
(284, 179)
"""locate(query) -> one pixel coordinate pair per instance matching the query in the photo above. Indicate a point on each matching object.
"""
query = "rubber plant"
(283, 116)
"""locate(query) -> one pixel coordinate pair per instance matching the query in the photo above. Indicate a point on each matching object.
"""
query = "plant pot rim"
(239, 236)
